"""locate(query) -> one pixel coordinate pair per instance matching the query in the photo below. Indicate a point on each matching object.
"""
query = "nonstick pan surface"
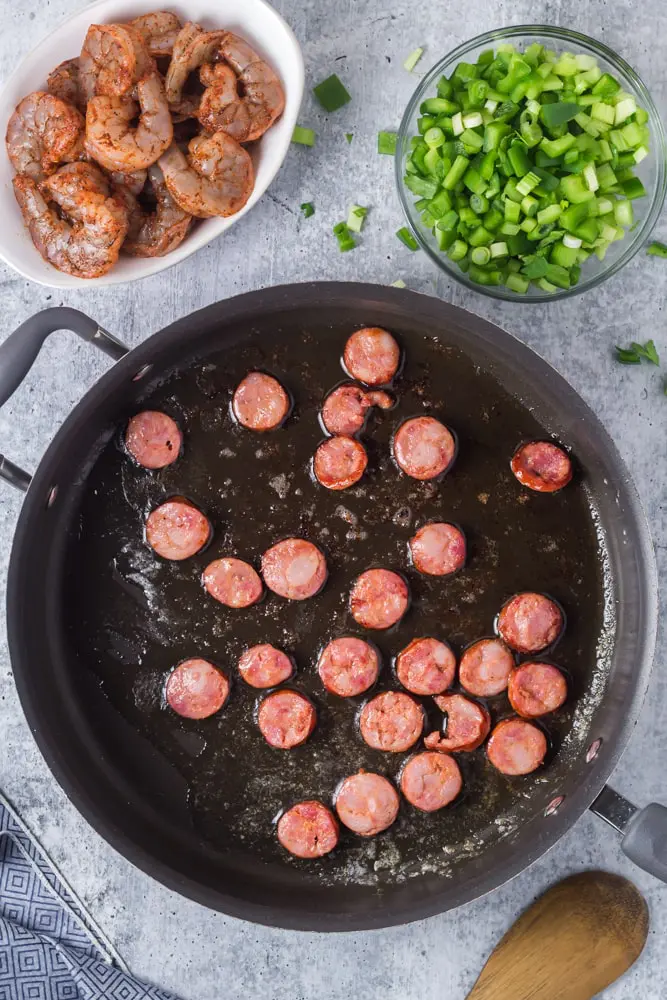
(123, 618)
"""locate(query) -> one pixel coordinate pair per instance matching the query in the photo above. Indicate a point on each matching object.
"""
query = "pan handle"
(644, 830)
(19, 352)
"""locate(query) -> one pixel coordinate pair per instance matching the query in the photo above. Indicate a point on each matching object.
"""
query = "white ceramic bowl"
(254, 20)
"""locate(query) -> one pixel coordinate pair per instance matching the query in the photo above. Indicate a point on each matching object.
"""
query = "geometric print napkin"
(50, 946)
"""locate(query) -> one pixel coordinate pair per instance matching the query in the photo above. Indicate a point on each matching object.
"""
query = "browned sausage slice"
(340, 462)
(438, 549)
(431, 781)
(260, 403)
(468, 724)
(542, 466)
(423, 448)
(294, 568)
(196, 689)
(232, 582)
(485, 668)
(348, 666)
(391, 721)
(367, 803)
(379, 598)
(286, 719)
(536, 689)
(530, 622)
(345, 409)
(516, 747)
(426, 666)
(153, 439)
(177, 530)
(264, 666)
(372, 356)
(308, 830)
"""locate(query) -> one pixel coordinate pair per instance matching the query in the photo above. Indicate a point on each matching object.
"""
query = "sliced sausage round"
(367, 803)
(348, 666)
(485, 668)
(542, 466)
(308, 830)
(294, 568)
(426, 666)
(536, 689)
(153, 439)
(468, 724)
(286, 718)
(177, 530)
(232, 582)
(430, 781)
(340, 462)
(379, 598)
(391, 721)
(372, 356)
(530, 622)
(438, 549)
(345, 410)
(516, 747)
(423, 448)
(260, 403)
(196, 689)
(264, 666)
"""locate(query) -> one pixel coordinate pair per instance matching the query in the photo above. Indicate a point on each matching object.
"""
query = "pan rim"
(276, 300)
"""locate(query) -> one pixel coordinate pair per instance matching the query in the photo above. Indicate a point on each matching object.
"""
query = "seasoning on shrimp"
(43, 132)
(159, 30)
(156, 233)
(112, 60)
(215, 178)
(63, 82)
(111, 138)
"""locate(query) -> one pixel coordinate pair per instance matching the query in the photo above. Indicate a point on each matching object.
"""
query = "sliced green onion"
(303, 136)
(387, 142)
(399, 283)
(457, 123)
(308, 209)
(356, 218)
(413, 59)
(331, 93)
(406, 237)
(345, 239)
(559, 113)
(480, 256)
(573, 242)
(499, 249)
(349, 136)
(657, 249)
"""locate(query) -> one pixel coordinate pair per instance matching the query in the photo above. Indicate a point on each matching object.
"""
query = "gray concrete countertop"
(182, 946)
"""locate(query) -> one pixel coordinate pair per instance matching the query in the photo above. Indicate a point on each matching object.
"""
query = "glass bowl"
(651, 170)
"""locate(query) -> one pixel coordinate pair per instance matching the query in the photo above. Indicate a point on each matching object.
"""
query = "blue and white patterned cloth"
(50, 947)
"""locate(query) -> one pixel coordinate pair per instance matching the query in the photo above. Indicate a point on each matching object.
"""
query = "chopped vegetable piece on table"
(356, 218)
(413, 59)
(387, 143)
(657, 249)
(349, 136)
(308, 209)
(399, 283)
(524, 167)
(633, 354)
(345, 238)
(406, 237)
(331, 93)
(303, 136)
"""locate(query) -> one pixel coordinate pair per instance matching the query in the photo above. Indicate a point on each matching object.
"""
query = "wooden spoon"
(575, 940)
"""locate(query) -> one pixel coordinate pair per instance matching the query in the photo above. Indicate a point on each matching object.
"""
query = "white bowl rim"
(204, 233)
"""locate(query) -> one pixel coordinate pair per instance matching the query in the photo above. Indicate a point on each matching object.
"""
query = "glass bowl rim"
(658, 150)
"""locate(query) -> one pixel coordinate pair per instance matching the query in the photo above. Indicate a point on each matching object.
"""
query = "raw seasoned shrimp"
(156, 233)
(158, 30)
(193, 46)
(112, 60)
(221, 109)
(133, 181)
(111, 138)
(63, 82)
(263, 93)
(88, 246)
(216, 178)
(42, 132)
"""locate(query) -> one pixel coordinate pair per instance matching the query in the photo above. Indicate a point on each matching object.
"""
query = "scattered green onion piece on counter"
(345, 239)
(308, 209)
(356, 217)
(633, 354)
(303, 136)
(387, 142)
(524, 167)
(331, 93)
(406, 237)
(413, 59)
(349, 136)
(399, 283)
(657, 249)
(627, 356)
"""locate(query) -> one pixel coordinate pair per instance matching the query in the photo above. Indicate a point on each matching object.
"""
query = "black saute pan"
(95, 620)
